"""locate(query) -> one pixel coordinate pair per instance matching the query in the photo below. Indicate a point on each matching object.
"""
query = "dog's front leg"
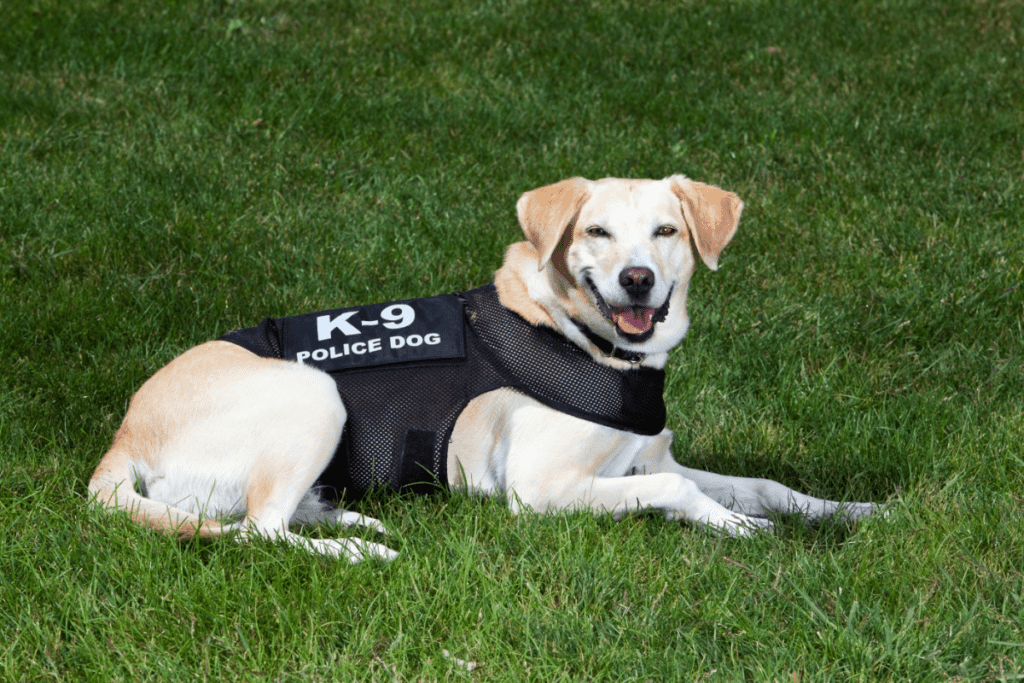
(559, 462)
(759, 497)
(752, 496)
(678, 497)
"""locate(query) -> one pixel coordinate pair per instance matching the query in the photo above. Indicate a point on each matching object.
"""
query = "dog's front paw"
(751, 525)
(858, 510)
(739, 525)
(345, 518)
(847, 511)
(356, 550)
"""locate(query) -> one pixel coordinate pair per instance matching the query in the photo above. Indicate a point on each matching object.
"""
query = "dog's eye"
(665, 230)
(595, 231)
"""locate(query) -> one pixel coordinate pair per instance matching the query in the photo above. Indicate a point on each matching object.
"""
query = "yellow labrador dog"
(227, 430)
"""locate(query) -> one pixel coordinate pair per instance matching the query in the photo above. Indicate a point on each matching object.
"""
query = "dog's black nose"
(636, 281)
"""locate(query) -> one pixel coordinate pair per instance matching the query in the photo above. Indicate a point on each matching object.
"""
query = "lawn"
(171, 171)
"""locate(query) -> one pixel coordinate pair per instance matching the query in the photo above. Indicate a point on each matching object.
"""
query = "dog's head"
(618, 254)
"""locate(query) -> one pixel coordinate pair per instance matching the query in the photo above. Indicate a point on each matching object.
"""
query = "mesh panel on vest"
(401, 416)
(264, 340)
(547, 366)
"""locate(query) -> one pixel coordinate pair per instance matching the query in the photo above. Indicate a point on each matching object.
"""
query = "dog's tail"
(113, 486)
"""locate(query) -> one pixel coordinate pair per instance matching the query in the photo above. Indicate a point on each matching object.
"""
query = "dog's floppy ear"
(712, 215)
(547, 212)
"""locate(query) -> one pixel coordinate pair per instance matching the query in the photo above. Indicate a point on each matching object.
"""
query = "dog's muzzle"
(633, 323)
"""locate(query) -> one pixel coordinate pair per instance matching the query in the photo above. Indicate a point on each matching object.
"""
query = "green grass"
(173, 171)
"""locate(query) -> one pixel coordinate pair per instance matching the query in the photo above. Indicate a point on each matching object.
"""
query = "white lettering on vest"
(398, 316)
(431, 339)
(324, 325)
(301, 356)
(358, 347)
(320, 354)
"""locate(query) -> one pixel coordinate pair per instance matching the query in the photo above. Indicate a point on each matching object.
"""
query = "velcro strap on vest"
(417, 461)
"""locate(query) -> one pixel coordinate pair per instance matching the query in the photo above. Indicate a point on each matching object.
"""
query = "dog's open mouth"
(635, 323)
(633, 320)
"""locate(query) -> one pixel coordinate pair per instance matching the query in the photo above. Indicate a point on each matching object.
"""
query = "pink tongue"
(633, 320)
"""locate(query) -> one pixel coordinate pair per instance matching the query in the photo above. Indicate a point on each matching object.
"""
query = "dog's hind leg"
(313, 510)
(220, 432)
(266, 517)
(295, 445)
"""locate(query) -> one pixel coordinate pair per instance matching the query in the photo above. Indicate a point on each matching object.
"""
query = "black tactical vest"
(405, 370)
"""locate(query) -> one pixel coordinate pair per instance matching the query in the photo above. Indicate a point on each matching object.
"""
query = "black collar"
(607, 348)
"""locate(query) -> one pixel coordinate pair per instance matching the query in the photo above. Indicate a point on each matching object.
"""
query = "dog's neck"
(514, 290)
(530, 293)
